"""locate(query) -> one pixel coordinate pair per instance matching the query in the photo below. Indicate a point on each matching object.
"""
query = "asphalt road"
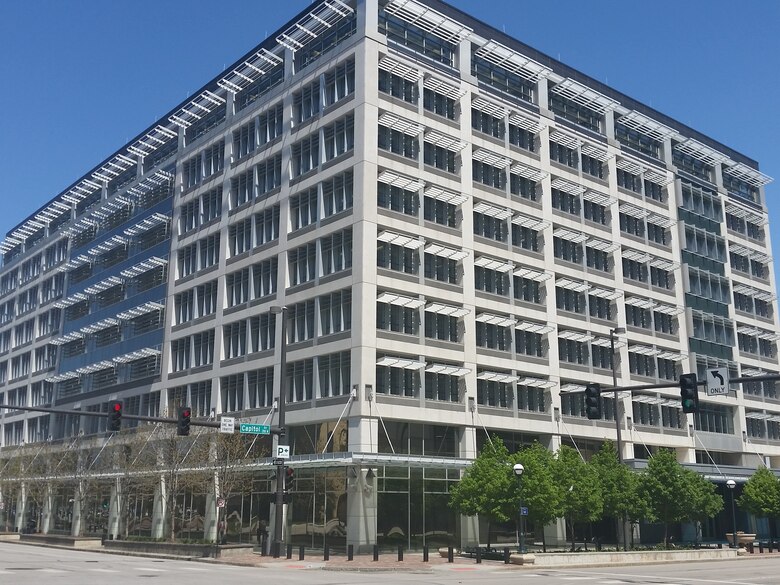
(24, 564)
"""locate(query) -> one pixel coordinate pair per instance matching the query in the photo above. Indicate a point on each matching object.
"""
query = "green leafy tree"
(761, 494)
(620, 491)
(538, 490)
(487, 488)
(703, 501)
(581, 493)
(665, 486)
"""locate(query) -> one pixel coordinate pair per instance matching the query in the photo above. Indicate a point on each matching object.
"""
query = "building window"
(242, 188)
(264, 278)
(442, 327)
(416, 39)
(598, 259)
(501, 79)
(269, 175)
(574, 112)
(337, 193)
(300, 321)
(713, 418)
(563, 155)
(340, 82)
(442, 387)
(492, 336)
(305, 155)
(398, 319)
(440, 212)
(306, 102)
(303, 264)
(490, 227)
(330, 38)
(237, 287)
(629, 181)
(397, 86)
(566, 202)
(654, 191)
(336, 250)
(572, 352)
(244, 140)
(493, 393)
(639, 142)
(440, 158)
(397, 381)
(522, 187)
(601, 308)
(339, 137)
(694, 166)
(491, 281)
(441, 269)
(569, 300)
(214, 159)
(439, 104)
(489, 175)
(531, 344)
(594, 212)
(336, 312)
(270, 124)
(397, 199)
(304, 209)
(592, 166)
(232, 391)
(234, 337)
(398, 258)
(334, 374)
(300, 380)
(260, 384)
(633, 270)
(262, 332)
(567, 251)
(398, 142)
(487, 124)
(522, 138)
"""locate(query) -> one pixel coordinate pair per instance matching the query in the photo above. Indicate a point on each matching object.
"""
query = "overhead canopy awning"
(501, 377)
(445, 141)
(647, 126)
(521, 121)
(606, 342)
(532, 327)
(748, 174)
(146, 224)
(535, 382)
(643, 350)
(100, 325)
(497, 320)
(113, 168)
(400, 181)
(600, 154)
(598, 198)
(701, 152)
(628, 165)
(584, 96)
(493, 264)
(448, 310)
(663, 264)
(674, 356)
(429, 20)
(197, 109)
(602, 245)
(446, 89)
(642, 303)
(400, 240)
(106, 284)
(140, 310)
(447, 370)
(143, 266)
(531, 223)
(572, 285)
(158, 136)
(400, 69)
(96, 367)
(635, 255)
(71, 300)
(72, 336)
(655, 400)
(445, 252)
(399, 362)
(570, 235)
(746, 214)
(668, 309)
(137, 355)
(761, 295)
(660, 220)
(632, 210)
(657, 177)
(488, 107)
(605, 293)
(567, 186)
(249, 71)
(400, 300)
(578, 336)
(402, 125)
(150, 183)
(317, 22)
(532, 274)
(526, 171)
(564, 139)
(572, 388)
(512, 61)
(490, 158)
(499, 213)
(444, 195)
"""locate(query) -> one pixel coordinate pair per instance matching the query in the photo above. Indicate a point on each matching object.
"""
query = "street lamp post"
(731, 484)
(519, 469)
(618, 411)
(280, 471)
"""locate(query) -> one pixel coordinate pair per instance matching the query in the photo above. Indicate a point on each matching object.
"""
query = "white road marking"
(150, 569)
(662, 582)
(104, 570)
(51, 571)
(578, 578)
(193, 568)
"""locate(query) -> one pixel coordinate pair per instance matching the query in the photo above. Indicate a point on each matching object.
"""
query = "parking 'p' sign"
(282, 451)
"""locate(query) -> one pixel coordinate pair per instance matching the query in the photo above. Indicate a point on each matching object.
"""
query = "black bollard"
(769, 546)
(425, 554)
(289, 551)
(376, 552)
(479, 555)
(350, 552)
(761, 547)
(326, 554)
(276, 550)
(300, 553)
(506, 555)
(450, 555)
(750, 547)
(400, 552)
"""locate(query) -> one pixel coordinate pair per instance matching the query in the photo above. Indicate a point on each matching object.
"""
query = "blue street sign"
(523, 511)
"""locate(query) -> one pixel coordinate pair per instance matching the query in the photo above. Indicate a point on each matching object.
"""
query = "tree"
(537, 489)
(620, 491)
(761, 494)
(581, 495)
(665, 486)
(703, 501)
(488, 487)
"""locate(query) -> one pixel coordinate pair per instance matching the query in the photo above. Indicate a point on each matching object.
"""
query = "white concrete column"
(75, 526)
(361, 508)
(48, 510)
(21, 504)
(158, 510)
(114, 507)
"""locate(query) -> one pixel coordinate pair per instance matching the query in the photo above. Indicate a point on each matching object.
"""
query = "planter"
(176, 549)
(85, 542)
(743, 539)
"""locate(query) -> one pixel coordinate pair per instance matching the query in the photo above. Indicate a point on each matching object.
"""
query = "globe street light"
(731, 484)
(519, 469)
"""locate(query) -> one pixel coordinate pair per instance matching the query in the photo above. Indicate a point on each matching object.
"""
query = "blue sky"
(81, 78)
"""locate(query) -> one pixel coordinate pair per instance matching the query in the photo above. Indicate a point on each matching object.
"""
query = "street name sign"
(717, 381)
(253, 429)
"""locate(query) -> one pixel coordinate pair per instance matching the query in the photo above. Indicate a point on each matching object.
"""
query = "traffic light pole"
(160, 419)
(618, 409)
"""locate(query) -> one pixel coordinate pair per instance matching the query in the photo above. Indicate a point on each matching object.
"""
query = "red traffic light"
(114, 416)
(117, 406)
